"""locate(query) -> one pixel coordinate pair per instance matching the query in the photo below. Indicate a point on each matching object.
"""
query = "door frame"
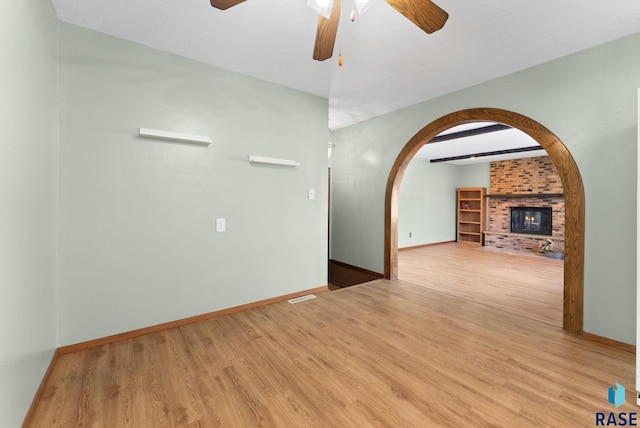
(572, 320)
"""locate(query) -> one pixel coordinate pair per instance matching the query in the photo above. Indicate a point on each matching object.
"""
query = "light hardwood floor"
(525, 284)
(388, 354)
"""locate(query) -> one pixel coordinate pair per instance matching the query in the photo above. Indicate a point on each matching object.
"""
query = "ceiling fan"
(424, 13)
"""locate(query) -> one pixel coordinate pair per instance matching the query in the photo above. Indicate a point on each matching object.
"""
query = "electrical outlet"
(409, 234)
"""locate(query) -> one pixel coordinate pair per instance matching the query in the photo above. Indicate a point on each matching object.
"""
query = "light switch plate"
(221, 225)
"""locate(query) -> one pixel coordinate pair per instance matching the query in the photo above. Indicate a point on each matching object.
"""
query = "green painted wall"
(475, 175)
(28, 189)
(137, 216)
(589, 101)
(426, 204)
(427, 200)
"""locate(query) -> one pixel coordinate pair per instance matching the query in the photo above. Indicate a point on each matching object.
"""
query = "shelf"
(173, 136)
(469, 222)
(462, 210)
(272, 161)
(527, 195)
(470, 233)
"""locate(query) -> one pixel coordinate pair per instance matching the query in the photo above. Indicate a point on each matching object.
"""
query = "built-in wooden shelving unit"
(471, 214)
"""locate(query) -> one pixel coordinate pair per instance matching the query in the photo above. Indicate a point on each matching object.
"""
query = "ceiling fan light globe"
(363, 5)
(323, 7)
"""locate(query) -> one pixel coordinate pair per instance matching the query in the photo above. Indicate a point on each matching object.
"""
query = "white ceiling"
(388, 62)
(500, 140)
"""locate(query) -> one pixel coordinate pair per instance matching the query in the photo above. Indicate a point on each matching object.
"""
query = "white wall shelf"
(272, 161)
(174, 136)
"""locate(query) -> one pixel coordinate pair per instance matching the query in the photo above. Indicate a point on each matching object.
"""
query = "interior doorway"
(574, 199)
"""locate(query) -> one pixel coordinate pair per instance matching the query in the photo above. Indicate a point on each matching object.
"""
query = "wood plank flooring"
(525, 284)
(388, 354)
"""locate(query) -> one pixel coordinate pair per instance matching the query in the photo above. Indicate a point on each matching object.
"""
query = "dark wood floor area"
(389, 354)
(526, 284)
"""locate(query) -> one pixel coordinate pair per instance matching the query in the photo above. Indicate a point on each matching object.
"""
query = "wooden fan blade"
(326, 34)
(424, 13)
(225, 4)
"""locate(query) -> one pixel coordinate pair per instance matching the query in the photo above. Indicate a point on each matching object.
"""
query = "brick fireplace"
(533, 187)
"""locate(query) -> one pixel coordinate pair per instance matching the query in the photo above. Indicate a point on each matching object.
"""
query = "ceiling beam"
(469, 133)
(484, 154)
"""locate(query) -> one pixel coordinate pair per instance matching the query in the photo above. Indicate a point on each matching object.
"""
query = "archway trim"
(571, 181)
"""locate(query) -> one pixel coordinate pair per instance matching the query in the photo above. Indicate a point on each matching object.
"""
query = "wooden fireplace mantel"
(525, 195)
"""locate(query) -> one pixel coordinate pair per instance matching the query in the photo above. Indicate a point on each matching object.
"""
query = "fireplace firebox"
(533, 220)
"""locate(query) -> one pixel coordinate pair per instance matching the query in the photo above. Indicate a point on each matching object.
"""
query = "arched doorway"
(571, 181)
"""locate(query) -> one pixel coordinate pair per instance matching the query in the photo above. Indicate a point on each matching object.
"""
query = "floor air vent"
(302, 298)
